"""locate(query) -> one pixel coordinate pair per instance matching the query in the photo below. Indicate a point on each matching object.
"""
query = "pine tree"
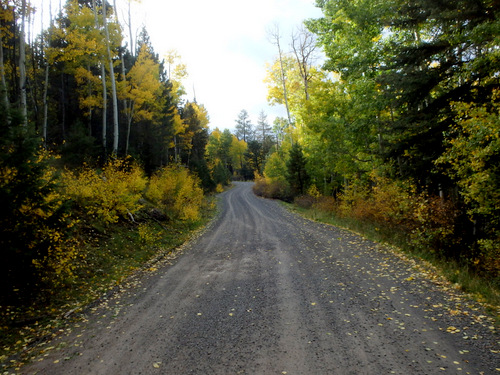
(298, 178)
(244, 127)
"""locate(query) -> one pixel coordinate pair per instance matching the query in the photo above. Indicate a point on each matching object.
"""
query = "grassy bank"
(113, 253)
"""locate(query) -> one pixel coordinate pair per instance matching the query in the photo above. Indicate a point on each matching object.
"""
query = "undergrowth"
(113, 252)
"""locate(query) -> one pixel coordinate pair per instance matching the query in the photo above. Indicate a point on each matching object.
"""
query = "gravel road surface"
(263, 291)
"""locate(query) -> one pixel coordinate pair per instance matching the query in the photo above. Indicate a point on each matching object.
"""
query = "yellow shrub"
(36, 225)
(109, 195)
(177, 192)
(148, 235)
(313, 192)
(219, 188)
(59, 262)
(57, 251)
(325, 204)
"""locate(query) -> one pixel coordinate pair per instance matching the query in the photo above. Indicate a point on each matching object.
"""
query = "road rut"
(264, 291)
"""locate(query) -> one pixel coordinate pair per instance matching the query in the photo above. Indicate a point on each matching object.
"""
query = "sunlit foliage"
(106, 195)
(177, 192)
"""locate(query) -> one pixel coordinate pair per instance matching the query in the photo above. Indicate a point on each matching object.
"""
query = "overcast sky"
(224, 45)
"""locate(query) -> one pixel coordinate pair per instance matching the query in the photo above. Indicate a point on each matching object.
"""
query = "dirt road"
(263, 291)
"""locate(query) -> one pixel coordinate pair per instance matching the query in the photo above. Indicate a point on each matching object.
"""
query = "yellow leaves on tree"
(109, 195)
(177, 72)
(142, 87)
(471, 159)
(177, 193)
(237, 151)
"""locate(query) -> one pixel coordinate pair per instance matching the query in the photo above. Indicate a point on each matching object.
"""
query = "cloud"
(224, 45)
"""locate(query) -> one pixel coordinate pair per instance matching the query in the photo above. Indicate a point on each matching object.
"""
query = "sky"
(224, 44)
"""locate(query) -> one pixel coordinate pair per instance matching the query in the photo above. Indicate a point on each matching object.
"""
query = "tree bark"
(46, 83)
(3, 88)
(104, 90)
(116, 128)
(275, 34)
(22, 65)
(303, 47)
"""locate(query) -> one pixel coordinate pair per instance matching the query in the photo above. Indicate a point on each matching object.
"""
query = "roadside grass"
(112, 254)
(484, 291)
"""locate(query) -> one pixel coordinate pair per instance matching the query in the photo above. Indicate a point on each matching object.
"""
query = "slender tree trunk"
(275, 34)
(129, 125)
(283, 81)
(3, 87)
(33, 91)
(127, 104)
(22, 65)
(116, 128)
(91, 112)
(104, 109)
(45, 105)
(304, 46)
(176, 151)
(277, 40)
(63, 108)
(104, 90)
(46, 82)
(132, 51)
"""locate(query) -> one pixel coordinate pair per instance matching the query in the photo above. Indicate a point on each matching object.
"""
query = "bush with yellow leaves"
(274, 188)
(427, 222)
(177, 192)
(35, 221)
(110, 194)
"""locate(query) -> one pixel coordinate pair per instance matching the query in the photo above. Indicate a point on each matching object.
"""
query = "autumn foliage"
(425, 223)
(177, 192)
(50, 217)
(109, 194)
(35, 220)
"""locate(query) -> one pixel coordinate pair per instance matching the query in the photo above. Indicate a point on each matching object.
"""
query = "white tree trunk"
(22, 65)
(116, 128)
(3, 87)
(275, 34)
(46, 83)
(104, 89)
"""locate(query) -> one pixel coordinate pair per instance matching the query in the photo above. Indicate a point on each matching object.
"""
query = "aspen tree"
(5, 16)
(116, 128)
(276, 40)
(22, 65)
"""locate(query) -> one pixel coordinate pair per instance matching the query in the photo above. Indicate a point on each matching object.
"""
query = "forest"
(398, 127)
(99, 146)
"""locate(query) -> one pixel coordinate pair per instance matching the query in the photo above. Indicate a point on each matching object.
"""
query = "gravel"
(263, 291)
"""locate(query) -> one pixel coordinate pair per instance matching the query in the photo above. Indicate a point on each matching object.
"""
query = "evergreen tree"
(254, 156)
(264, 134)
(244, 128)
(298, 178)
(32, 212)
